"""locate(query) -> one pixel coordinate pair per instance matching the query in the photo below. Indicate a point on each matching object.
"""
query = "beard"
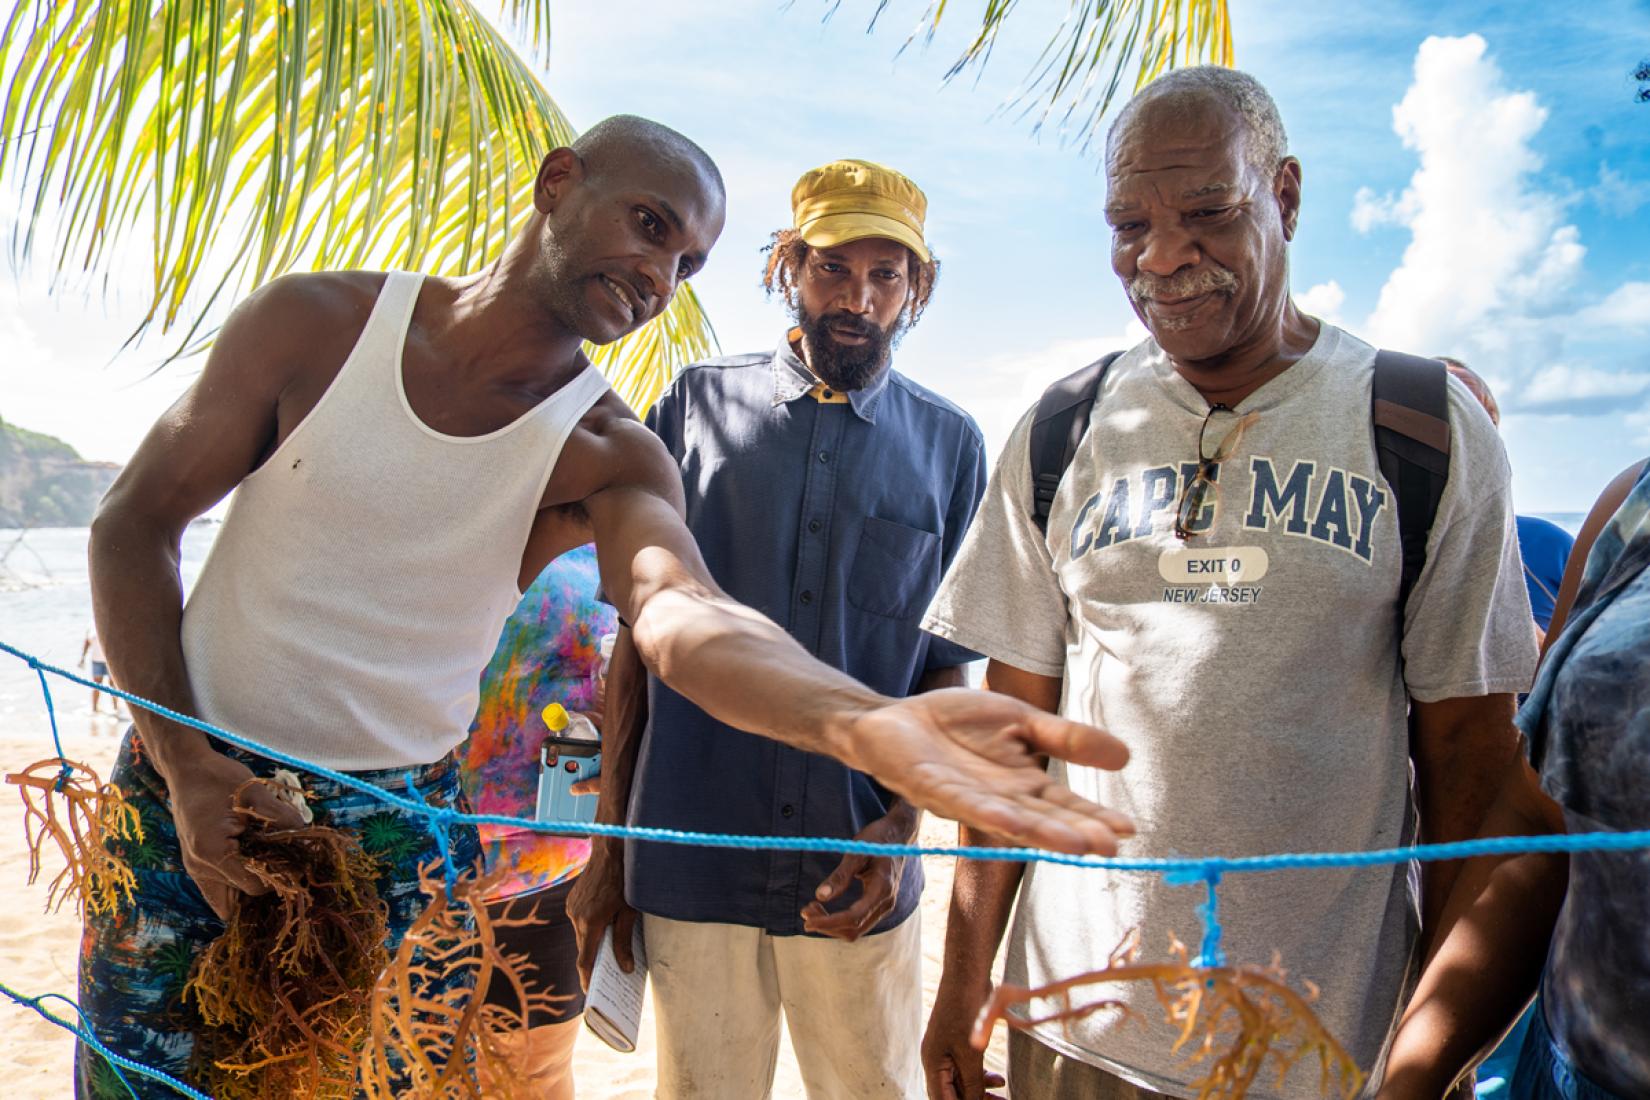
(842, 366)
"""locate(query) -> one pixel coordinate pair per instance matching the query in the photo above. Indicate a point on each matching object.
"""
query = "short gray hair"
(1184, 90)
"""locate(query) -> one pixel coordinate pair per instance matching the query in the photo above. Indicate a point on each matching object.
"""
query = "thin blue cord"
(119, 1062)
(1211, 955)
(438, 821)
(1177, 871)
(85, 1023)
(1196, 869)
(51, 714)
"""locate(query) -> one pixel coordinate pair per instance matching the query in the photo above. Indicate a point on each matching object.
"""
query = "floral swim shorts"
(134, 963)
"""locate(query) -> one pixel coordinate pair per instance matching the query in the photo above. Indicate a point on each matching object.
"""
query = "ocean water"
(46, 606)
(45, 609)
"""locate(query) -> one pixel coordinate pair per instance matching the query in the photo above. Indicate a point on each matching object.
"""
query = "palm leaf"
(1094, 46)
(248, 138)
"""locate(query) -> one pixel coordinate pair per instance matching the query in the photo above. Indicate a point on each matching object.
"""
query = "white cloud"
(1563, 388)
(1323, 301)
(1492, 264)
(56, 377)
(1485, 243)
(1000, 389)
(1627, 307)
(1617, 195)
(1371, 211)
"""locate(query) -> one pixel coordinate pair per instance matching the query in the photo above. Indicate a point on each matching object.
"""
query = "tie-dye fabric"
(1591, 710)
(546, 654)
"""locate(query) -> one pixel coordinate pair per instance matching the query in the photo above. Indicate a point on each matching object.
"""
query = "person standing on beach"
(92, 648)
(407, 453)
(830, 491)
(1220, 577)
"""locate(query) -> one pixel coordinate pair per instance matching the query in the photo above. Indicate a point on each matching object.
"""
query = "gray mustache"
(1182, 284)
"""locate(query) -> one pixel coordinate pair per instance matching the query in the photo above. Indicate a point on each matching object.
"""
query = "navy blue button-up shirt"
(836, 520)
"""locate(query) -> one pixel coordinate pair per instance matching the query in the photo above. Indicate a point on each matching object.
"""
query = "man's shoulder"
(934, 404)
(724, 365)
(323, 299)
(309, 309)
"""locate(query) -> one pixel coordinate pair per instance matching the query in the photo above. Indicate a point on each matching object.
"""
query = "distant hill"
(45, 483)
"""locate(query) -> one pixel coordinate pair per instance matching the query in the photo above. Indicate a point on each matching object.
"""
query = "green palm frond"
(1096, 43)
(252, 137)
(532, 17)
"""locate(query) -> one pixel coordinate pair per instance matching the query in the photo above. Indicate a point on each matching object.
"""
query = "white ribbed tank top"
(360, 581)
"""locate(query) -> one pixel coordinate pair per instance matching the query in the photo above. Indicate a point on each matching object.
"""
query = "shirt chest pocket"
(896, 569)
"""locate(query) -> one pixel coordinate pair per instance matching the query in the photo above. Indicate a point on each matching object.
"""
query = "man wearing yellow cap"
(831, 492)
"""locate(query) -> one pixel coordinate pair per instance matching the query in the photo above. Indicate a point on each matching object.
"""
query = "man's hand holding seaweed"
(212, 811)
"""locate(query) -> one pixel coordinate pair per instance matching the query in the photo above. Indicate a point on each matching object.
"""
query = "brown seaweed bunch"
(1238, 1018)
(433, 1036)
(285, 993)
(66, 802)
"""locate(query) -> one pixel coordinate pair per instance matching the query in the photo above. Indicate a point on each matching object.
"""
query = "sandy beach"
(38, 950)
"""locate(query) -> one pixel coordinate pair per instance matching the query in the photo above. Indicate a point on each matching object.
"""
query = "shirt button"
(787, 810)
(813, 526)
(807, 597)
(824, 456)
(829, 395)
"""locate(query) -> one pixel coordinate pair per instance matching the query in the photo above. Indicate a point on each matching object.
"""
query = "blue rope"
(51, 715)
(439, 819)
(1195, 869)
(84, 1034)
(1176, 871)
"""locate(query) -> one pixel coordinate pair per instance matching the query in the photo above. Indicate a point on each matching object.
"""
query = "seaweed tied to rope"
(434, 1037)
(66, 803)
(1234, 1019)
(285, 993)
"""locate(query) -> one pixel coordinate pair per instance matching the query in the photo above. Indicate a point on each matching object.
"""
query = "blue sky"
(1477, 182)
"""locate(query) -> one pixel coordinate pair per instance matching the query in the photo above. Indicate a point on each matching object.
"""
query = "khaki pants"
(1039, 1072)
(854, 1011)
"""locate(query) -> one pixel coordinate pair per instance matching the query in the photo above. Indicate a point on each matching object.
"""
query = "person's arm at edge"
(955, 752)
(1459, 747)
(597, 899)
(1602, 510)
(982, 898)
(1469, 991)
(1486, 962)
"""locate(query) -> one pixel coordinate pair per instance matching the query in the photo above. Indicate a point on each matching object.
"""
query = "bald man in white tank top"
(410, 453)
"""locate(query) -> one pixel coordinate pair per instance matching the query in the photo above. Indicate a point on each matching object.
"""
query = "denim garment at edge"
(836, 520)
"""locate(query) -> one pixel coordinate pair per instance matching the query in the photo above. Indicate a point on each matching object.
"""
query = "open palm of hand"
(976, 757)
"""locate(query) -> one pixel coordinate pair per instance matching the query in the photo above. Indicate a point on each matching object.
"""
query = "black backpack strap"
(1410, 412)
(1062, 418)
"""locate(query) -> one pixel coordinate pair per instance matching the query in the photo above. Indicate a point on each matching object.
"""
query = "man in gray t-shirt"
(1247, 646)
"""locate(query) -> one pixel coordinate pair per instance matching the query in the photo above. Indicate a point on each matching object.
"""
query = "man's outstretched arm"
(971, 756)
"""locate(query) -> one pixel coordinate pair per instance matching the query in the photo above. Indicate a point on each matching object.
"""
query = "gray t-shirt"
(1264, 702)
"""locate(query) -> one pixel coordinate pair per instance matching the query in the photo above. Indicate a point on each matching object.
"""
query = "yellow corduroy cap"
(848, 200)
